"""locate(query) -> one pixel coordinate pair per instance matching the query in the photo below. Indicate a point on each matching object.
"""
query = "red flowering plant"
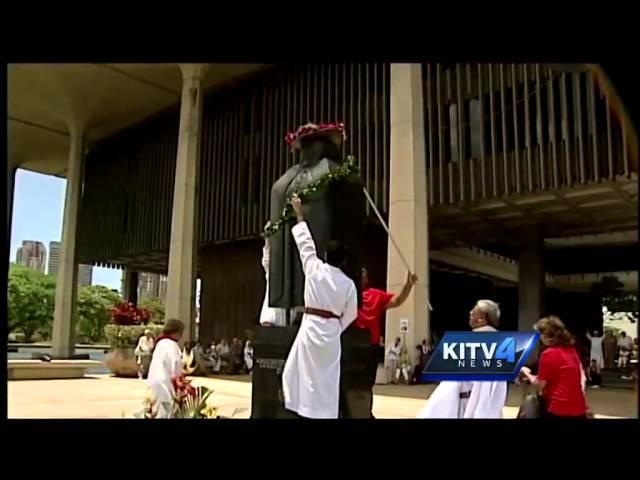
(126, 313)
(128, 323)
(190, 401)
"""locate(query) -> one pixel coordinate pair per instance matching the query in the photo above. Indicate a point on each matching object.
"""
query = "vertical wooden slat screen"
(540, 129)
(128, 192)
(356, 94)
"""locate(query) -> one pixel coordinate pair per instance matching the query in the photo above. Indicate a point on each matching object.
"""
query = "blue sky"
(38, 205)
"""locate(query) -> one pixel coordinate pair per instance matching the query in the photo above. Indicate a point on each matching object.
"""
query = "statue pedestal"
(271, 347)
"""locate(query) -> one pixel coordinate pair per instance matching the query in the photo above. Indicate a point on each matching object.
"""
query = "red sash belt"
(320, 313)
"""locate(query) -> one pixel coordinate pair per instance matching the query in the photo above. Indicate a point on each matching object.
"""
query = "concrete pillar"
(130, 290)
(531, 279)
(408, 221)
(64, 318)
(11, 182)
(181, 286)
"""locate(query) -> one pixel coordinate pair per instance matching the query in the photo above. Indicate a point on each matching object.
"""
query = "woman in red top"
(559, 378)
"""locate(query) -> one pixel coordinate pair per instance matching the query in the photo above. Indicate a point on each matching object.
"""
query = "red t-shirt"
(374, 303)
(560, 368)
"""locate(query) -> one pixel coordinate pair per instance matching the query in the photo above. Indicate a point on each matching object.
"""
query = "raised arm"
(304, 241)
(401, 297)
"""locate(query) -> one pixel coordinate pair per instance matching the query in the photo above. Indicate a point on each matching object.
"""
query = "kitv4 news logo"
(473, 356)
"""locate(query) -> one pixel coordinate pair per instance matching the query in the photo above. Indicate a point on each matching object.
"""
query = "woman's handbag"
(532, 406)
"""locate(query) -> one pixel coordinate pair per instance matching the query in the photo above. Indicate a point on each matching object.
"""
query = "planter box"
(122, 362)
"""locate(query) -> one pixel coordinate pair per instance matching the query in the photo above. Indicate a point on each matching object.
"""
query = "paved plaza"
(103, 396)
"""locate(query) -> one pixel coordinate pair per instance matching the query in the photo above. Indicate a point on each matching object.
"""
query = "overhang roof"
(44, 98)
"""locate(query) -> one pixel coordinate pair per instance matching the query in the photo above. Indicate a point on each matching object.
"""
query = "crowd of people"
(221, 357)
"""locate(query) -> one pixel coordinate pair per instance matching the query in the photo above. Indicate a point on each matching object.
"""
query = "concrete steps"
(613, 379)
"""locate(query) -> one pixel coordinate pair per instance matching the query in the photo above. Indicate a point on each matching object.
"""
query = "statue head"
(315, 148)
(316, 142)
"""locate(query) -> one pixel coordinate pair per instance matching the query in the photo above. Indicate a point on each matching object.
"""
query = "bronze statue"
(335, 211)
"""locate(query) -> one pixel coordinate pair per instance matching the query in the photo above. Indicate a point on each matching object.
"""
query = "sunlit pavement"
(109, 397)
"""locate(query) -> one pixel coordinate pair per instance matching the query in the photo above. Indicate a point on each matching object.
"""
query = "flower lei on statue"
(347, 169)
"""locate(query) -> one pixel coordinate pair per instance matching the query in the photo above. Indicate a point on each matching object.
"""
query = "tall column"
(11, 182)
(181, 286)
(408, 221)
(531, 279)
(64, 318)
(130, 290)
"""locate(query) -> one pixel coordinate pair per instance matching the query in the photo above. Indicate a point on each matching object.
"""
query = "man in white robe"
(166, 363)
(311, 376)
(269, 316)
(470, 399)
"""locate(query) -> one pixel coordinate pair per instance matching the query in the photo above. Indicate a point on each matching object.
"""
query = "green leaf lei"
(345, 170)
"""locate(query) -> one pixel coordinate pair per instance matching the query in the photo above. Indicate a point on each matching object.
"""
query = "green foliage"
(614, 298)
(94, 311)
(156, 307)
(30, 301)
(126, 336)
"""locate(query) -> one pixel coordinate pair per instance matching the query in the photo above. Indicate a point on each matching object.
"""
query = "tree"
(94, 311)
(156, 307)
(30, 301)
(616, 301)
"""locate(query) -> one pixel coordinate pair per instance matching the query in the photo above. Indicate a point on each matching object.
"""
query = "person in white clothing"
(143, 353)
(166, 363)
(625, 346)
(470, 399)
(269, 316)
(393, 361)
(311, 375)
(596, 349)
(248, 356)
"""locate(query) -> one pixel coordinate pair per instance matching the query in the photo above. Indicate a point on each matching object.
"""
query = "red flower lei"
(309, 129)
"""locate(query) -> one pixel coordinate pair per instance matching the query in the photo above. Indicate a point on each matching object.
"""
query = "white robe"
(248, 356)
(269, 315)
(596, 351)
(311, 376)
(165, 364)
(486, 400)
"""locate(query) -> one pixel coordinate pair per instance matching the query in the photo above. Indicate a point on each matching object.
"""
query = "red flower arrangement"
(126, 313)
(183, 388)
(311, 128)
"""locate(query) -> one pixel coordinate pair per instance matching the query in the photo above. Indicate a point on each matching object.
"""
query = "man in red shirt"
(374, 303)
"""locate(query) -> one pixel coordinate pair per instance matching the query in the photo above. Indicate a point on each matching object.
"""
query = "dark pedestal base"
(271, 347)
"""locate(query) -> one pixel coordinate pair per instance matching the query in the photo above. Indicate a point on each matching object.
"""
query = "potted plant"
(128, 324)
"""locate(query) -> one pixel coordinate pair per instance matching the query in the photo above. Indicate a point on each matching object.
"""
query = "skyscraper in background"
(152, 285)
(85, 272)
(32, 254)
(54, 258)
(85, 275)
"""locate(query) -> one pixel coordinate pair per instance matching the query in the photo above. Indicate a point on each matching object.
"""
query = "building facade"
(152, 285)
(516, 182)
(32, 254)
(85, 272)
(513, 156)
